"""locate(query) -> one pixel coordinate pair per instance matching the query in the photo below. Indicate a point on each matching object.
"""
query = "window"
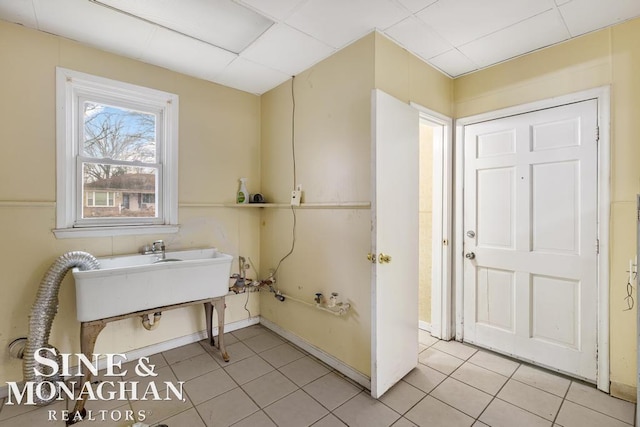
(117, 150)
(100, 198)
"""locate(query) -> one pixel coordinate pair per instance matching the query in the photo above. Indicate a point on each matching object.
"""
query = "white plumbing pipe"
(340, 309)
(146, 321)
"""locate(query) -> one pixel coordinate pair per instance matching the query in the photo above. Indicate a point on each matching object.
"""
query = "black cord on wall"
(293, 154)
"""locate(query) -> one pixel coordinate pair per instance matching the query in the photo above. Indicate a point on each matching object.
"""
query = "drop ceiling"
(254, 45)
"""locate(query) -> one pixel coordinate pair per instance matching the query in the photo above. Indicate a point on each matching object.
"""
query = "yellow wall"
(333, 164)
(332, 146)
(607, 57)
(426, 222)
(219, 142)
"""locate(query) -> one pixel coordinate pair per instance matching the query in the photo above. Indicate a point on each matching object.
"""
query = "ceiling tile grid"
(254, 45)
(287, 50)
(540, 31)
(339, 22)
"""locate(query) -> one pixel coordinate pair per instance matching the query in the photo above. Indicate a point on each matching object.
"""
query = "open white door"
(394, 241)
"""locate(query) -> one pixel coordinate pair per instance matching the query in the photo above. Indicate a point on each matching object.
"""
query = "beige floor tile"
(479, 424)
(156, 360)
(573, 415)
(188, 369)
(440, 360)
(430, 412)
(598, 401)
(455, 348)
(304, 370)
(209, 385)
(402, 396)
(188, 418)
(480, 378)
(258, 419)
(34, 416)
(229, 339)
(248, 369)
(237, 352)
(542, 379)
(249, 332)
(181, 353)
(157, 410)
(502, 414)
(464, 398)
(365, 411)
(494, 362)
(296, 410)
(329, 420)
(403, 422)
(163, 375)
(531, 399)
(227, 408)
(281, 355)
(269, 388)
(424, 378)
(426, 339)
(14, 409)
(263, 342)
(331, 390)
(98, 404)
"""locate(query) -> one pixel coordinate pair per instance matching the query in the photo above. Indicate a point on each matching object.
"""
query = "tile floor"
(270, 382)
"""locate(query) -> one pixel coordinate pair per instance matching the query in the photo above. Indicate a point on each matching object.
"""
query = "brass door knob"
(371, 257)
(383, 258)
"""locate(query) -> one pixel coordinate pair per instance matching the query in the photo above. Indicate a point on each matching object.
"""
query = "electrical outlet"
(296, 195)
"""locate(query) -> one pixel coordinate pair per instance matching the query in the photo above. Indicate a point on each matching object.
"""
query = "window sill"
(71, 233)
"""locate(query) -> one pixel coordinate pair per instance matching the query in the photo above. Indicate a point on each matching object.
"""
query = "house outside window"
(117, 157)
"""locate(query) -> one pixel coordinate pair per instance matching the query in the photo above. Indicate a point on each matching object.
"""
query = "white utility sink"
(130, 283)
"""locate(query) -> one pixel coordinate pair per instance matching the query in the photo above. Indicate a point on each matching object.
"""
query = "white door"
(530, 237)
(394, 212)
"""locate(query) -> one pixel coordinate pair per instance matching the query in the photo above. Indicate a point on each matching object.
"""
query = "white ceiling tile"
(93, 25)
(561, 2)
(222, 23)
(454, 63)
(416, 5)
(339, 22)
(250, 77)
(462, 21)
(286, 49)
(582, 16)
(418, 38)
(534, 33)
(276, 9)
(176, 52)
(18, 11)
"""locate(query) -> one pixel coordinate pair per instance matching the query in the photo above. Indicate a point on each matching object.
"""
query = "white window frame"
(71, 88)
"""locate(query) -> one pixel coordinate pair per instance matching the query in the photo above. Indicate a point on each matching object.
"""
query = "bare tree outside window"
(119, 146)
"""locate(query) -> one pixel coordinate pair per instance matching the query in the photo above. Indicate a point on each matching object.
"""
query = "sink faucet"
(158, 246)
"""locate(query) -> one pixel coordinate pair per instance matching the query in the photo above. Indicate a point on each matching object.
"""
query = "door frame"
(442, 325)
(602, 95)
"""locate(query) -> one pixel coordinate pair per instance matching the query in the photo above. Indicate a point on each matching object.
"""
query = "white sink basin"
(130, 283)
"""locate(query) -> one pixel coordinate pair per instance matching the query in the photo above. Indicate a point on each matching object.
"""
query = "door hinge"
(597, 246)
(597, 133)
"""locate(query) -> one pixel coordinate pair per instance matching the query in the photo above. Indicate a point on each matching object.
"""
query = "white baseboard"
(330, 360)
(424, 325)
(187, 339)
(168, 345)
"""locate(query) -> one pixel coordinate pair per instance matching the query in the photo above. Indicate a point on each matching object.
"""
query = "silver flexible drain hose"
(41, 318)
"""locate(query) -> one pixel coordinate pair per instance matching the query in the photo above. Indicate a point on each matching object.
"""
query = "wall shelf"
(341, 205)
